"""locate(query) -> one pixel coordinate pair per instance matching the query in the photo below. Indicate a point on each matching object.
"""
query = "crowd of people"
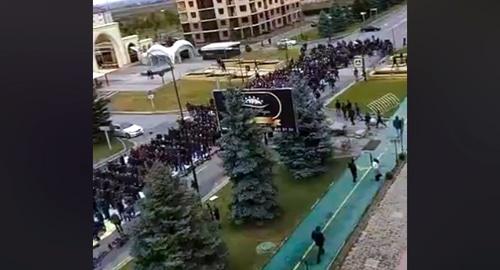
(117, 185)
(320, 65)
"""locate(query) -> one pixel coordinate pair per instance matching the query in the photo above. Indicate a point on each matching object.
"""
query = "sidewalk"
(338, 212)
(382, 243)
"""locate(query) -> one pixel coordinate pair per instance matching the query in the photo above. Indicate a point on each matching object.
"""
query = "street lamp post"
(194, 184)
(363, 15)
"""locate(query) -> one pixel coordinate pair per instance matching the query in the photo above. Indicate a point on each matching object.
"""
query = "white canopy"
(159, 50)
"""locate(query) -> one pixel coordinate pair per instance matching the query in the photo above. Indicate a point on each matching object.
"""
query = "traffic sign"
(358, 62)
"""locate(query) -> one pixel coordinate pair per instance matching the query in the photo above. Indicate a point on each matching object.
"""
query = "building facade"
(206, 21)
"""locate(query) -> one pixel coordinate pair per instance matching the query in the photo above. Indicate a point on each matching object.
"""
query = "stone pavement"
(383, 243)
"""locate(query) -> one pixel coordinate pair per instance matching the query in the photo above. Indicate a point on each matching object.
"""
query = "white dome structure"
(181, 49)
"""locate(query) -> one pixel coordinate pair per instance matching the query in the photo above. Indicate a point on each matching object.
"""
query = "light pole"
(194, 184)
(363, 15)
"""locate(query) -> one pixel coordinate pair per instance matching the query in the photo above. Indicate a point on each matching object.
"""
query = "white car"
(283, 43)
(127, 130)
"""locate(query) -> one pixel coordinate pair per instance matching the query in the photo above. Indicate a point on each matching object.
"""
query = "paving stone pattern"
(383, 241)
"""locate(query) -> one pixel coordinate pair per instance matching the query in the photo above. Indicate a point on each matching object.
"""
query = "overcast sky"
(100, 2)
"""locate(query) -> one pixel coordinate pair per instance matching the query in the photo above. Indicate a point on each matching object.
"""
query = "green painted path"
(339, 210)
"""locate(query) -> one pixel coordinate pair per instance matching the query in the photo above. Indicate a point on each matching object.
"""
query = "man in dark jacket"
(319, 240)
(353, 169)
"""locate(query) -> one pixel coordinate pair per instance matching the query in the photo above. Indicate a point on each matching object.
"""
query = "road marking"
(336, 212)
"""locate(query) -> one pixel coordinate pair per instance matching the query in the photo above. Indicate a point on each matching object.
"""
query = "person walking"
(396, 123)
(352, 114)
(367, 120)
(353, 169)
(337, 107)
(319, 241)
(115, 219)
(344, 110)
(379, 119)
(376, 169)
(358, 110)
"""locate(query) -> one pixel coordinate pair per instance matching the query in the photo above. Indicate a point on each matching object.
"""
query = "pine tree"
(247, 162)
(306, 153)
(174, 232)
(338, 19)
(325, 25)
(100, 117)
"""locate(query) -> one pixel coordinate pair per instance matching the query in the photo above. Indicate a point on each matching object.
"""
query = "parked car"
(127, 130)
(370, 28)
(283, 43)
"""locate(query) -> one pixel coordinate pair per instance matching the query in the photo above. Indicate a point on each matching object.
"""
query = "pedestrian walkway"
(339, 210)
(383, 241)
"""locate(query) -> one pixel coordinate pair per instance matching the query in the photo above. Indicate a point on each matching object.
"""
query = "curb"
(144, 112)
(101, 162)
(224, 182)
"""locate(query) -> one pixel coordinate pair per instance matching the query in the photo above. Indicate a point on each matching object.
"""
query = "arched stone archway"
(133, 53)
(109, 50)
(106, 52)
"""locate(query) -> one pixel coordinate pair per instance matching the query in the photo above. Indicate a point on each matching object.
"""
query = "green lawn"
(192, 91)
(271, 54)
(365, 92)
(308, 35)
(295, 198)
(101, 150)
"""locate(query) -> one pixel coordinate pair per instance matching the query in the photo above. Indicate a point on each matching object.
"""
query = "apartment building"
(206, 21)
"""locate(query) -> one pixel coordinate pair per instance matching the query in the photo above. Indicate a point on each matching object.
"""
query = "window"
(197, 36)
(243, 8)
(277, 10)
(193, 14)
(244, 20)
(272, 12)
(195, 25)
(223, 22)
(219, 1)
(261, 15)
(259, 4)
(270, 2)
(224, 33)
(221, 11)
(191, 4)
(276, 1)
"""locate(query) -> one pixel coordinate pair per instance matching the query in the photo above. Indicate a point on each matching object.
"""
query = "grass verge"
(365, 92)
(192, 91)
(101, 151)
(295, 198)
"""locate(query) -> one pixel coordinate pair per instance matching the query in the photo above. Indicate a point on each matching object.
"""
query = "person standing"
(217, 215)
(319, 240)
(353, 169)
